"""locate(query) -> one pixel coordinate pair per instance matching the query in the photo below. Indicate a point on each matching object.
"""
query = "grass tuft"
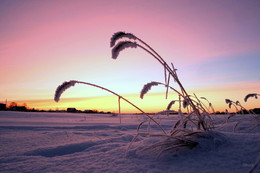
(248, 116)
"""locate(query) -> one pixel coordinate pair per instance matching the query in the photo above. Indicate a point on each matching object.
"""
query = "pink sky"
(213, 44)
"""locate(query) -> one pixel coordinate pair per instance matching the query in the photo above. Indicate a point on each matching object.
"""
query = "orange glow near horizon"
(153, 101)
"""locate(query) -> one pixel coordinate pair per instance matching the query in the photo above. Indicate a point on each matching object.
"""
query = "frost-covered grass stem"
(67, 85)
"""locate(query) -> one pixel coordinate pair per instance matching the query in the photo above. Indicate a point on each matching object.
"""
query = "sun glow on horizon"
(154, 101)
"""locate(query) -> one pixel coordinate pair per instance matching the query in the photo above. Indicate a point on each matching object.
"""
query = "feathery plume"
(250, 95)
(121, 46)
(204, 98)
(229, 102)
(146, 88)
(170, 105)
(61, 88)
(119, 35)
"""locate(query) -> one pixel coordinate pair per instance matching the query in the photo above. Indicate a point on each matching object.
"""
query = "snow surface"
(68, 142)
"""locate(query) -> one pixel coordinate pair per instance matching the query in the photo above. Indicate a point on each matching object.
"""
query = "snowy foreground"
(67, 142)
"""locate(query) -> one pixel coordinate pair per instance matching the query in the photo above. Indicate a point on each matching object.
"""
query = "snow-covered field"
(67, 142)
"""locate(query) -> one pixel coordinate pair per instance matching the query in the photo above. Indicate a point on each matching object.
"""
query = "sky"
(215, 45)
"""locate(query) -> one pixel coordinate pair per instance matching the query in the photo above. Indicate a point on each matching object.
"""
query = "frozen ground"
(66, 142)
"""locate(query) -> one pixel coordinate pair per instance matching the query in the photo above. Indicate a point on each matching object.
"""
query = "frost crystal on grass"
(121, 46)
(61, 88)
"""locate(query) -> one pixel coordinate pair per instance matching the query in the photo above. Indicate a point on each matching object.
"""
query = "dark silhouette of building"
(2, 106)
(256, 110)
(18, 108)
(90, 111)
(71, 110)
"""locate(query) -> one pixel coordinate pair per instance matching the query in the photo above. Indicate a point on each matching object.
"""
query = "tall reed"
(249, 116)
(187, 128)
(122, 40)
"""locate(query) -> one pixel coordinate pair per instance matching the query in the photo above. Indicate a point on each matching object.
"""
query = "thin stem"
(202, 105)
(167, 87)
(159, 57)
(165, 79)
(97, 86)
(119, 109)
(173, 74)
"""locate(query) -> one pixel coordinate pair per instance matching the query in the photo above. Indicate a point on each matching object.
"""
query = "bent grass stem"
(120, 97)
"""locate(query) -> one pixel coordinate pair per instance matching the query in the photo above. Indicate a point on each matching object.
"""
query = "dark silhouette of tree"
(12, 104)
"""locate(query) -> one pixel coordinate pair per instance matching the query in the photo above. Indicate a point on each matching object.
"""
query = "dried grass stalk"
(167, 85)
(66, 85)
(119, 109)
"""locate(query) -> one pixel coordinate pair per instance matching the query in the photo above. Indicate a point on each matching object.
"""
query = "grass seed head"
(250, 95)
(119, 35)
(146, 88)
(228, 101)
(61, 88)
(170, 105)
(121, 46)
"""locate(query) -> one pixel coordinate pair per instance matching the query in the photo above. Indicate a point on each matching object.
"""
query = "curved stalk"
(120, 97)
(173, 74)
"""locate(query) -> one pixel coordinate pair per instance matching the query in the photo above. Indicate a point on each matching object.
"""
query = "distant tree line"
(13, 106)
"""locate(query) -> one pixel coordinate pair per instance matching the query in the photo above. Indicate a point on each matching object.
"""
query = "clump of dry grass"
(196, 120)
(169, 72)
(173, 144)
(248, 116)
(196, 123)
